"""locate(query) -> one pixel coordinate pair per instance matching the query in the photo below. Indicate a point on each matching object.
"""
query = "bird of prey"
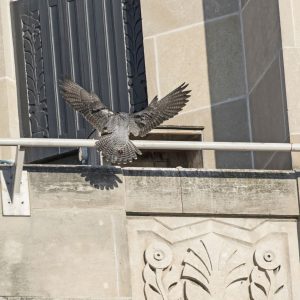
(115, 128)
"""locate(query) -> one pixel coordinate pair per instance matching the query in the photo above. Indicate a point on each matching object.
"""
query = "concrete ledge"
(240, 192)
(166, 191)
(76, 186)
(152, 190)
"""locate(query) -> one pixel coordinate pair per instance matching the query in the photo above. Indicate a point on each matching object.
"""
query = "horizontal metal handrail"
(155, 144)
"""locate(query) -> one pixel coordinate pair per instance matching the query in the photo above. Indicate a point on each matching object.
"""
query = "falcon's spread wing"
(88, 104)
(159, 111)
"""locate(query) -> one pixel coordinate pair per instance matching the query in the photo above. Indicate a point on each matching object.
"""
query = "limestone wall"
(9, 120)
(200, 42)
(290, 31)
(98, 233)
(230, 53)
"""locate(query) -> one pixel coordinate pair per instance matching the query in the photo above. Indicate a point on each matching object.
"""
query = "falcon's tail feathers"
(115, 152)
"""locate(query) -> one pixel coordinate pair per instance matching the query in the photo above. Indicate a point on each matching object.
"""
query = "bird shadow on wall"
(103, 179)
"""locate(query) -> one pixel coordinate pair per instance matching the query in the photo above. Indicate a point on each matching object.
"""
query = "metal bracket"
(14, 188)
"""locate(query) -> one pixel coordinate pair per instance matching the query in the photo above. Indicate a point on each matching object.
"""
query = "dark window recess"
(171, 158)
(97, 43)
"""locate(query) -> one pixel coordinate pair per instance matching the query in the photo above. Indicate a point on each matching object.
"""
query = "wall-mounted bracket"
(14, 188)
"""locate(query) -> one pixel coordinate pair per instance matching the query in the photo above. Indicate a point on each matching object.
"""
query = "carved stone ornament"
(35, 75)
(136, 73)
(198, 277)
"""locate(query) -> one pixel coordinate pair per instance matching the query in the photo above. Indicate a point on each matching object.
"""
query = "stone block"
(75, 186)
(291, 60)
(9, 122)
(287, 23)
(262, 36)
(296, 19)
(219, 8)
(162, 16)
(190, 65)
(150, 65)
(152, 190)
(7, 65)
(200, 61)
(226, 76)
(267, 107)
(269, 116)
(60, 253)
(295, 138)
(234, 192)
(230, 124)
(217, 258)
(278, 161)
(199, 117)
(169, 15)
(223, 122)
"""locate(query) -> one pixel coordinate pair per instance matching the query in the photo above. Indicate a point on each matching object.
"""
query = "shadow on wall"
(104, 178)
(245, 84)
(226, 76)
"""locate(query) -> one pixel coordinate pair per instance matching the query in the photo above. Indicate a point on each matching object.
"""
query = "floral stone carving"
(197, 276)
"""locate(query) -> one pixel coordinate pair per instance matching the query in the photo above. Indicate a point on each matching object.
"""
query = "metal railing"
(155, 145)
(15, 194)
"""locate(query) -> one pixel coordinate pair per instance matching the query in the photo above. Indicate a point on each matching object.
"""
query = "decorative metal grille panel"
(97, 43)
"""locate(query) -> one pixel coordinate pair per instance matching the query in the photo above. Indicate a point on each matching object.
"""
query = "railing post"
(14, 188)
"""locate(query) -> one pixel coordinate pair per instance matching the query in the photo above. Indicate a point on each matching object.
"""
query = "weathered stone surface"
(152, 190)
(9, 122)
(218, 8)
(76, 187)
(169, 15)
(233, 192)
(243, 3)
(267, 107)
(213, 258)
(296, 19)
(230, 123)
(64, 254)
(287, 23)
(161, 16)
(189, 48)
(150, 64)
(158, 190)
(269, 117)
(295, 138)
(291, 59)
(7, 64)
(226, 76)
(262, 36)
(50, 298)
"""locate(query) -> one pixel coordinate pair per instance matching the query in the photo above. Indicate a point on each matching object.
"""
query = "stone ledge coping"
(165, 191)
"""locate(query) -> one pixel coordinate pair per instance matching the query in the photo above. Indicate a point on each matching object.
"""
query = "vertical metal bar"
(19, 163)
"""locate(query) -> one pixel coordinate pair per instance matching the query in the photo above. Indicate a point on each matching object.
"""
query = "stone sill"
(165, 191)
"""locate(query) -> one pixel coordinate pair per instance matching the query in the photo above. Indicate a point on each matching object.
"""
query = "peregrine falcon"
(115, 128)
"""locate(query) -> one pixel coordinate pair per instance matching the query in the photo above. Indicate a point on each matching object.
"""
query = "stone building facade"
(174, 233)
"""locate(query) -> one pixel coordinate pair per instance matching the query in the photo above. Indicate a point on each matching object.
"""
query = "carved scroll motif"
(35, 75)
(199, 277)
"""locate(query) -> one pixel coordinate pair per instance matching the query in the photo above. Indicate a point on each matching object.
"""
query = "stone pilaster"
(9, 121)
